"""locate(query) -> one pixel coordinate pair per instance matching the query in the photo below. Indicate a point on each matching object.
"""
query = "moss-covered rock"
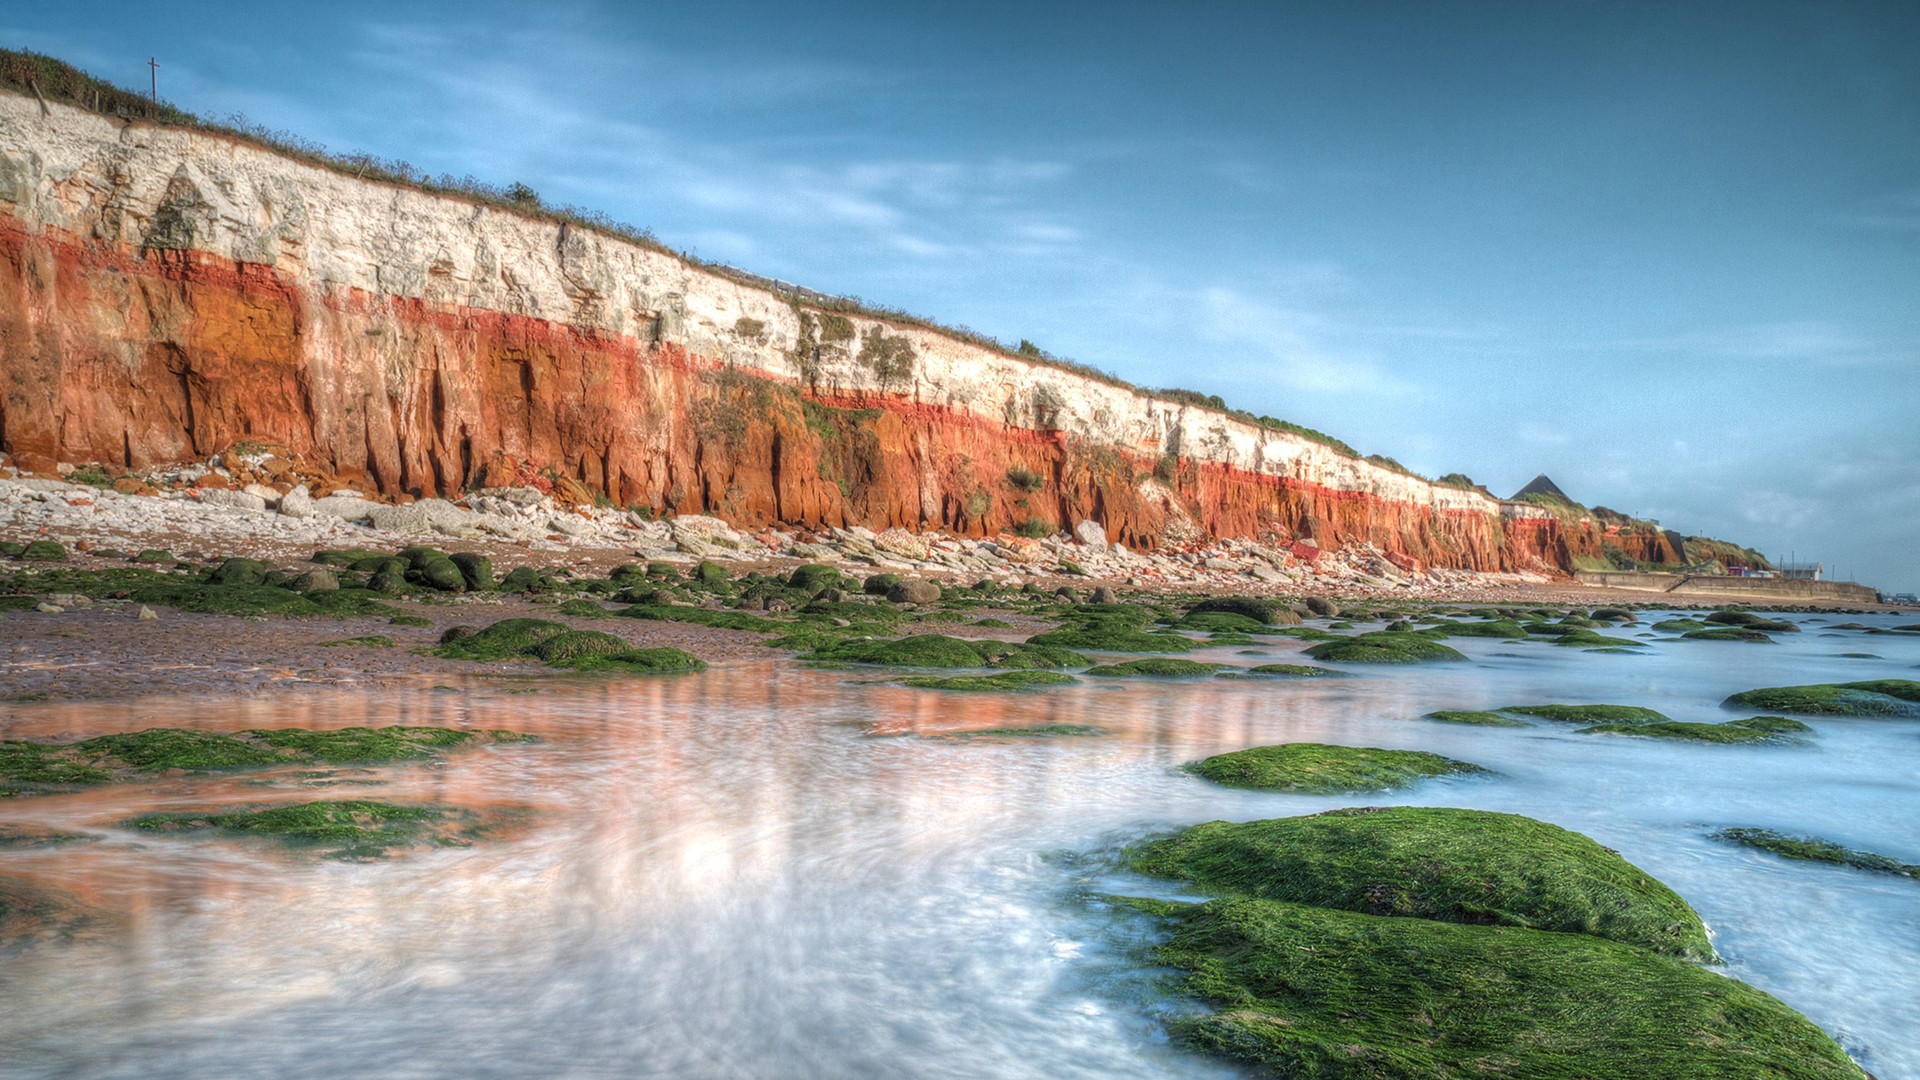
(1751, 621)
(726, 620)
(365, 641)
(1109, 638)
(1307, 992)
(44, 551)
(813, 577)
(1874, 697)
(1158, 667)
(1478, 718)
(1320, 769)
(1290, 671)
(1466, 866)
(354, 828)
(1814, 849)
(1385, 647)
(475, 569)
(1214, 622)
(1760, 729)
(920, 650)
(1679, 626)
(42, 766)
(1592, 714)
(522, 579)
(1729, 633)
(659, 661)
(1494, 628)
(581, 608)
(1003, 680)
(1255, 608)
(504, 640)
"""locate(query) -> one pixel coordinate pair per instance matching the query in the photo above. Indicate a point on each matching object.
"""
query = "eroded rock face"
(166, 294)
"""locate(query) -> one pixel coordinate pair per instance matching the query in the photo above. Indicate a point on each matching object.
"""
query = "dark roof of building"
(1542, 485)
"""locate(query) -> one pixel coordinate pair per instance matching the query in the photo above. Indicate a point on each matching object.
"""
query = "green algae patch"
(1113, 638)
(369, 641)
(583, 609)
(1286, 671)
(1001, 680)
(1587, 639)
(1159, 667)
(940, 651)
(1874, 697)
(352, 828)
(46, 767)
(507, 639)
(1479, 718)
(1463, 866)
(1334, 995)
(1729, 633)
(1385, 647)
(1679, 626)
(724, 620)
(1495, 628)
(1760, 729)
(1320, 769)
(1592, 714)
(1813, 849)
(1217, 622)
(1032, 731)
(631, 661)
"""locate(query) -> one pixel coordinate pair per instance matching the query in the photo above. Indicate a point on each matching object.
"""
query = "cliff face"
(166, 293)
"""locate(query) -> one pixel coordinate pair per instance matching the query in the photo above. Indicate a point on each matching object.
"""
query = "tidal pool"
(763, 870)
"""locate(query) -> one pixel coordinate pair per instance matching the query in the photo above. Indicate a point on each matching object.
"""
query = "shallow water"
(768, 871)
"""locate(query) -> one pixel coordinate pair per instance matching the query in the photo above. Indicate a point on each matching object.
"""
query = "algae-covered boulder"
(44, 551)
(1874, 697)
(1475, 717)
(813, 577)
(1758, 729)
(1814, 849)
(1729, 633)
(1109, 637)
(880, 584)
(437, 571)
(1158, 667)
(475, 569)
(940, 651)
(522, 579)
(240, 572)
(1466, 866)
(1592, 714)
(914, 592)
(1302, 991)
(503, 640)
(1385, 647)
(998, 681)
(1218, 622)
(1320, 769)
(353, 828)
(1291, 671)
(1265, 612)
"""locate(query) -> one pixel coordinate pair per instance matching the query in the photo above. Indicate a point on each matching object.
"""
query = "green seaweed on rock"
(1321, 769)
(1467, 866)
(1813, 849)
(1385, 647)
(1308, 992)
(1158, 667)
(1875, 697)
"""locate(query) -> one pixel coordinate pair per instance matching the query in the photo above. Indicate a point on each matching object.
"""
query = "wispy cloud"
(1805, 341)
(1288, 346)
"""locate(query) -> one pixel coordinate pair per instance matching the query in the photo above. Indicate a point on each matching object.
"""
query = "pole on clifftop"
(153, 78)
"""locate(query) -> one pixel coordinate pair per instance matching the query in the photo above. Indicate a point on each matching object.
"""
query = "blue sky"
(1667, 253)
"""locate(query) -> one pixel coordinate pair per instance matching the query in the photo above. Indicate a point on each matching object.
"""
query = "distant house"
(1803, 571)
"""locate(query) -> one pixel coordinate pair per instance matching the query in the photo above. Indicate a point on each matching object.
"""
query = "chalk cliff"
(166, 292)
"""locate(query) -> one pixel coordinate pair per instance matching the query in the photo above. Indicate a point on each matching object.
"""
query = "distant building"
(1803, 571)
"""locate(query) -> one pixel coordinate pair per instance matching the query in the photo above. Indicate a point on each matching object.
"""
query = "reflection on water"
(762, 870)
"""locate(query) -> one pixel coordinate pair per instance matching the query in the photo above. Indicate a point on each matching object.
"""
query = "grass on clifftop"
(1466, 866)
(1320, 769)
(1333, 995)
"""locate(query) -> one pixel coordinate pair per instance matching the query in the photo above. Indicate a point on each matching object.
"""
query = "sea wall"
(166, 293)
(1749, 589)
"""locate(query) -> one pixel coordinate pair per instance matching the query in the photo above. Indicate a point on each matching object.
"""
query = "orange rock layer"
(137, 359)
